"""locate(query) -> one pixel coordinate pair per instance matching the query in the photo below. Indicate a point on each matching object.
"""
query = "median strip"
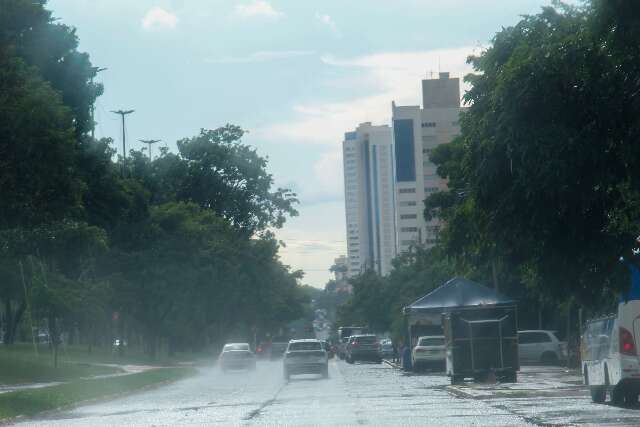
(33, 401)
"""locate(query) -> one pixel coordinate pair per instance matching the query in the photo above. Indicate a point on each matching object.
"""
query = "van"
(609, 349)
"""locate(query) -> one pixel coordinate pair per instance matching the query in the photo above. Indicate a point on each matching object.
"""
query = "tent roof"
(459, 292)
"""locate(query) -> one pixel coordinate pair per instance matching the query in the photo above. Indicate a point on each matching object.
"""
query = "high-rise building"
(416, 131)
(369, 198)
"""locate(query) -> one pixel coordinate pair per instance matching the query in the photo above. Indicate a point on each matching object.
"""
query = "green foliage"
(543, 180)
(173, 253)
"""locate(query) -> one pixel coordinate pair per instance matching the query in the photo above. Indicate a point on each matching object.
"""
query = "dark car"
(363, 347)
(328, 348)
(237, 356)
(277, 350)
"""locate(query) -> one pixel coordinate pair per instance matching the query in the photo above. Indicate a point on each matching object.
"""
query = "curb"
(392, 364)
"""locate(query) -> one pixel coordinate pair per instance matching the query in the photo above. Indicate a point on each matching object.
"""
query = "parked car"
(540, 346)
(609, 350)
(277, 350)
(363, 347)
(305, 357)
(237, 356)
(429, 352)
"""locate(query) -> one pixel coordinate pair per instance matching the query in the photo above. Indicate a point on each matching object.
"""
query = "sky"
(296, 74)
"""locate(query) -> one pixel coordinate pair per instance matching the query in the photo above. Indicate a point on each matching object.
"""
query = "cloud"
(261, 56)
(158, 18)
(256, 9)
(390, 76)
(328, 22)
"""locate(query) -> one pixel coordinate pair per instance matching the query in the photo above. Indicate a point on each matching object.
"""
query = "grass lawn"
(31, 402)
(19, 365)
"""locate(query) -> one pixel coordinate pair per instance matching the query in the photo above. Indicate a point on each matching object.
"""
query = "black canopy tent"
(424, 316)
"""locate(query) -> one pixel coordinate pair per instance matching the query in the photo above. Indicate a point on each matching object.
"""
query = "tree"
(543, 177)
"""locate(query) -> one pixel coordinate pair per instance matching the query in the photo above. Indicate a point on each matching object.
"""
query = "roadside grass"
(18, 366)
(31, 402)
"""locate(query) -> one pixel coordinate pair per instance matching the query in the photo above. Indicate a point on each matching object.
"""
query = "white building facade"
(416, 131)
(368, 159)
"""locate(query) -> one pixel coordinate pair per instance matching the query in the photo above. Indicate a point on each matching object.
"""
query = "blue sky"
(296, 73)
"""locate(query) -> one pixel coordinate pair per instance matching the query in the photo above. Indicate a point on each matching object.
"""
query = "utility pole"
(96, 70)
(149, 143)
(124, 140)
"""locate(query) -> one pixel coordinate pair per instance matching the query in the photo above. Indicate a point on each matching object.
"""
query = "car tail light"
(421, 350)
(627, 345)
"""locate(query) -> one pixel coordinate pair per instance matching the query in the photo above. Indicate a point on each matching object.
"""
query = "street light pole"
(149, 142)
(96, 70)
(124, 138)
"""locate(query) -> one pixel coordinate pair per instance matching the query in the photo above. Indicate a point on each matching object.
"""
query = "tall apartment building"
(416, 131)
(369, 198)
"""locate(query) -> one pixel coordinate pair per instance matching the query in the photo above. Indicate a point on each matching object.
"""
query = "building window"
(407, 190)
(429, 124)
(430, 190)
(408, 216)
(405, 154)
(409, 229)
(410, 203)
(431, 241)
(407, 242)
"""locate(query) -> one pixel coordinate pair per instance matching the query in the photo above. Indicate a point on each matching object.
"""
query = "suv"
(363, 347)
(305, 357)
(541, 347)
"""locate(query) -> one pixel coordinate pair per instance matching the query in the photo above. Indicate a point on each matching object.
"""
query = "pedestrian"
(395, 352)
(406, 358)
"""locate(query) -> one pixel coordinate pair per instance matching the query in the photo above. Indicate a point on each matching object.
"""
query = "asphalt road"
(354, 395)
(361, 394)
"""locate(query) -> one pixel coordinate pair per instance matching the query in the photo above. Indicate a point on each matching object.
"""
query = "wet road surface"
(361, 394)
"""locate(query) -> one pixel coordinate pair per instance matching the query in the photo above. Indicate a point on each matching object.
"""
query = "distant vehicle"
(610, 360)
(328, 348)
(541, 346)
(277, 350)
(117, 343)
(386, 349)
(344, 332)
(430, 351)
(237, 356)
(363, 347)
(305, 357)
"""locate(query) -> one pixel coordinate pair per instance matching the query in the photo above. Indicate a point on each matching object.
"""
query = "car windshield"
(190, 188)
(305, 345)
(431, 342)
(236, 347)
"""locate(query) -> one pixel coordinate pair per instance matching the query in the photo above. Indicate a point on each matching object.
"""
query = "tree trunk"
(54, 337)
(494, 271)
(12, 320)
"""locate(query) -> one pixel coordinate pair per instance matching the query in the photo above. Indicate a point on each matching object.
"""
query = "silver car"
(237, 356)
(305, 357)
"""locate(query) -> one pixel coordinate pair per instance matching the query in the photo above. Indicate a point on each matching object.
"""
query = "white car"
(610, 361)
(540, 346)
(429, 351)
(305, 357)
